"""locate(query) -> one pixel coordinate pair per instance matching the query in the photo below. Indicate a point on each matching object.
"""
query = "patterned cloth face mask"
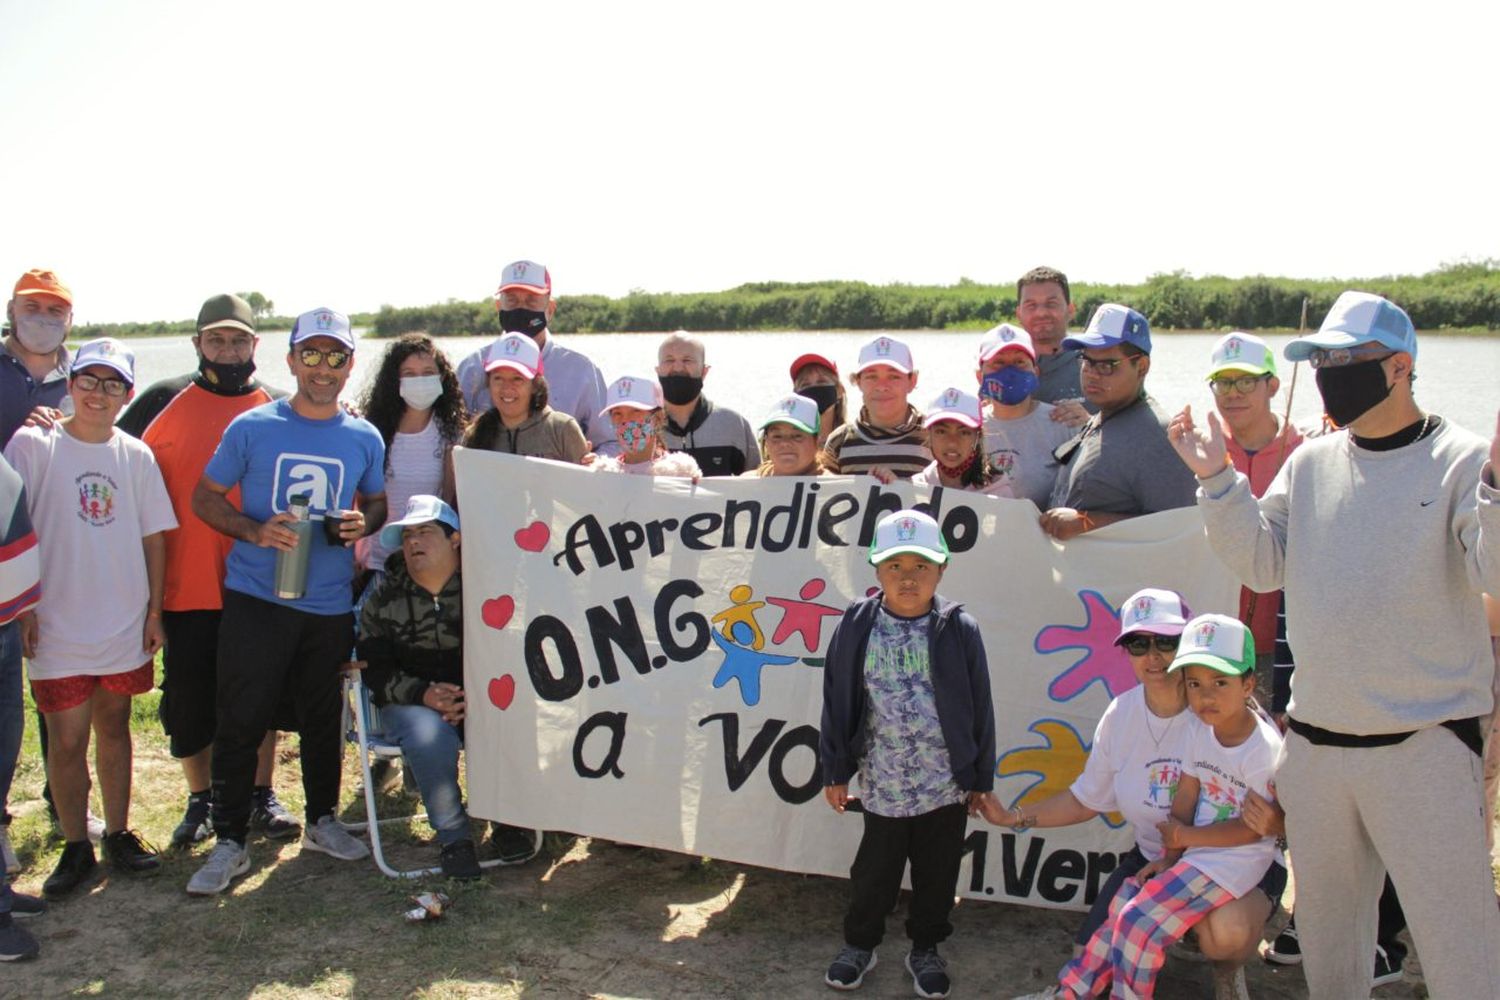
(636, 435)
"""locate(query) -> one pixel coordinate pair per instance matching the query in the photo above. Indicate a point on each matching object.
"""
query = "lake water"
(1456, 375)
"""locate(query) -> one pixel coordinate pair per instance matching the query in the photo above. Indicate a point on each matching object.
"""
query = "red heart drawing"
(502, 691)
(497, 610)
(533, 537)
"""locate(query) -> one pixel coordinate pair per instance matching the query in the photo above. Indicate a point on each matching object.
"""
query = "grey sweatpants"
(1413, 808)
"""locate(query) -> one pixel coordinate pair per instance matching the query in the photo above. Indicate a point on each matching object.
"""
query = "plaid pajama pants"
(1130, 948)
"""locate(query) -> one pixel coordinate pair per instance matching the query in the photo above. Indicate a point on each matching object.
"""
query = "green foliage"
(1464, 295)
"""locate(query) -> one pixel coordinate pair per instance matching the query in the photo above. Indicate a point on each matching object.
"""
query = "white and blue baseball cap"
(323, 323)
(106, 351)
(1155, 610)
(422, 508)
(1112, 324)
(1006, 337)
(883, 350)
(1358, 318)
(956, 405)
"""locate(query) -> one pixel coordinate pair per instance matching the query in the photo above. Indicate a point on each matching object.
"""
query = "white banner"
(643, 657)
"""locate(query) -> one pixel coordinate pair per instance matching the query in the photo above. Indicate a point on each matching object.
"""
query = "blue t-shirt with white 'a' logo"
(273, 454)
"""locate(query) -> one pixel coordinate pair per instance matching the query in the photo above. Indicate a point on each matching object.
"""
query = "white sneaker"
(226, 862)
(329, 836)
(96, 827)
(8, 853)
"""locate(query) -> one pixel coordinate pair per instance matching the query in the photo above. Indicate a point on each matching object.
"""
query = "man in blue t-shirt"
(302, 446)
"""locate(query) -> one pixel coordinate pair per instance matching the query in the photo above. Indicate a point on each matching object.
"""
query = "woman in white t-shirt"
(415, 403)
(1137, 758)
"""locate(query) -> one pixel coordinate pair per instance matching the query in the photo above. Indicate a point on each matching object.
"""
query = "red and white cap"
(517, 352)
(803, 360)
(885, 350)
(635, 392)
(954, 404)
(1005, 337)
(527, 275)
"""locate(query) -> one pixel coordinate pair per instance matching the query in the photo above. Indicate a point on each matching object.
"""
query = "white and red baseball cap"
(885, 350)
(954, 404)
(634, 392)
(526, 275)
(813, 358)
(517, 352)
(1005, 337)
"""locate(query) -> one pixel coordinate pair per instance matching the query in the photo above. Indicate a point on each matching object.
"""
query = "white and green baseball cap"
(908, 531)
(1242, 352)
(1218, 642)
(793, 410)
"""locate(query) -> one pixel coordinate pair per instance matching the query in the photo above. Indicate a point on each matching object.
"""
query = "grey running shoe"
(195, 826)
(329, 836)
(16, 943)
(848, 968)
(24, 907)
(929, 973)
(226, 862)
(269, 816)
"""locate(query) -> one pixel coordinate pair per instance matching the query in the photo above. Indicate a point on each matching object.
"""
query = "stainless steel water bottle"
(291, 564)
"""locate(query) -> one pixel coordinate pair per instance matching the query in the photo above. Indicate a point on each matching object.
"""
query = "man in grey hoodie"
(1384, 536)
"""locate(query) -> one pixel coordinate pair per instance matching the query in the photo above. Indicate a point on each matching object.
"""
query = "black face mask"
(679, 390)
(528, 321)
(1351, 391)
(226, 377)
(824, 395)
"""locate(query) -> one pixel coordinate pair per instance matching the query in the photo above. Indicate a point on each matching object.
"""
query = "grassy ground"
(587, 918)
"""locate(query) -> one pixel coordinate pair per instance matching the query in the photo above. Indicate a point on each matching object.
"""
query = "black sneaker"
(1286, 949)
(24, 907)
(513, 845)
(460, 861)
(73, 868)
(270, 817)
(929, 972)
(1388, 966)
(127, 852)
(195, 827)
(16, 942)
(848, 968)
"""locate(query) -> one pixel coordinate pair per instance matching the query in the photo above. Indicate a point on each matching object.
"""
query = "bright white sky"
(354, 154)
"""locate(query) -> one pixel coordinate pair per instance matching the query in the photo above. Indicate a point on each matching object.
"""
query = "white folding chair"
(362, 728)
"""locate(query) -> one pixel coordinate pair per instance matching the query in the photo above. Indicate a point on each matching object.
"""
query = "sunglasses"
(1102, 366)
(312, 357)
(1337, 357)
(111, 386)
(1242, 384)
(1140, 645)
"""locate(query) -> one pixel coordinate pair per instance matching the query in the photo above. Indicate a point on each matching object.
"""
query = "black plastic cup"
(333, 522)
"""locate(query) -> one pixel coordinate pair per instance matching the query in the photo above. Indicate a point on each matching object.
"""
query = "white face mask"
(40, 334)
(421, 391)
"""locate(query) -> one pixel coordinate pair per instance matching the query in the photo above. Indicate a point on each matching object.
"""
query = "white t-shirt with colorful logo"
(1134, 766)
(1224, 773)
(91, 505)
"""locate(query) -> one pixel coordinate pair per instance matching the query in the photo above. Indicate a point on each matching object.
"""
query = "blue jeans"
(430, 748)
(12, 715)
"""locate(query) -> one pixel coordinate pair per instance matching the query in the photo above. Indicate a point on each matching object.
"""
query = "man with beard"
(1383, 537)
(718, 438)
(271, 640)
(575, 385)
(182, 420)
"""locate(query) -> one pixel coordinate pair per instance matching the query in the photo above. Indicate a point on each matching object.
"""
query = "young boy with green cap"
(906, 706)
(1212, 856)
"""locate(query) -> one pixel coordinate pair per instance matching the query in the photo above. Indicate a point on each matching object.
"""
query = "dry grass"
(587, 918)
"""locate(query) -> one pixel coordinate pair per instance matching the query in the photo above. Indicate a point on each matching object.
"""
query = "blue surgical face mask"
(1009, 385)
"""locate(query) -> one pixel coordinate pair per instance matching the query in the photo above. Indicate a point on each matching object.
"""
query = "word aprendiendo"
(752, 524)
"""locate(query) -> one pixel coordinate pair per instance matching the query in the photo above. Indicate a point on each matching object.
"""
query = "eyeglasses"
(1242, 384)
(1140, 645)
(1337, 357)
(111, 386)
(312, 357)
(1105, 366)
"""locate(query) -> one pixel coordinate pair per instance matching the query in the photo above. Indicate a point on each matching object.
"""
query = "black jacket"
(960, 687)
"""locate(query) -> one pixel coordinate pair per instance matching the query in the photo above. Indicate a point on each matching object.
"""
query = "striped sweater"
(859, 446)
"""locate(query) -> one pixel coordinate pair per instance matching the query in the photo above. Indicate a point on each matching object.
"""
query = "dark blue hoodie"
(960, 687)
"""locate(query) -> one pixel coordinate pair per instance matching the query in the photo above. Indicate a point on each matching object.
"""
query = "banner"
(644, 657)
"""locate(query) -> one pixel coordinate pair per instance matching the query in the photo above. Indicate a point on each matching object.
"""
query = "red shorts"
(62, 693)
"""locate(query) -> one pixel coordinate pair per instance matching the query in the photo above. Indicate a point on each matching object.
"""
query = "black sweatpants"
(265, 648)
(933, 842)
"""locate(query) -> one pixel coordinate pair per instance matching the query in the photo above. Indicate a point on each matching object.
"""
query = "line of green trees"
(1465, 295)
